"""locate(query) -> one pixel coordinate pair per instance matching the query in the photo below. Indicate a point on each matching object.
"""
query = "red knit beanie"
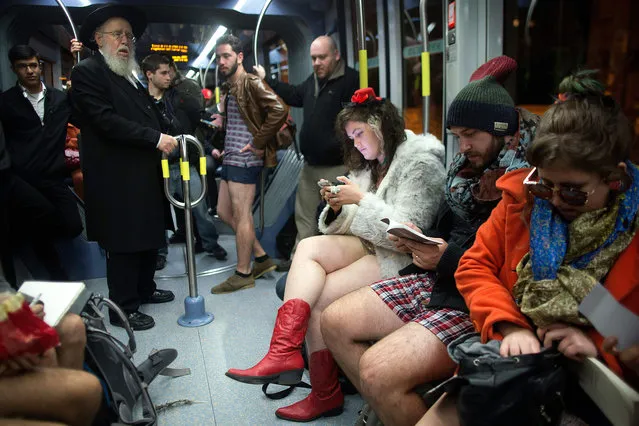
(500, 68)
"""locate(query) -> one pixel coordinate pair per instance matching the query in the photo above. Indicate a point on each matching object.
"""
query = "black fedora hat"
(133, 15)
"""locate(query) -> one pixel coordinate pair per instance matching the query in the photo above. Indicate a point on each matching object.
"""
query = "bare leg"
(23, 422)
(363, 272)
(442, 413)
(68, 396)
(73, 339)
(224, 210)
(350, 323)
(315, 258)
(394, 366)
(242, 196)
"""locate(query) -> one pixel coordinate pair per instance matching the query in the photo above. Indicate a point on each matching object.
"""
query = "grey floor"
(237, 338)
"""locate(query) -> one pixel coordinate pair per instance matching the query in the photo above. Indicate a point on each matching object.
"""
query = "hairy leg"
(394, 366)
(224, 210)
(242, 196)
(442, 413)
(351, 322)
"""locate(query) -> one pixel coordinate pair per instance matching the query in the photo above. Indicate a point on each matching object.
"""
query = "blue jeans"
(204, 222)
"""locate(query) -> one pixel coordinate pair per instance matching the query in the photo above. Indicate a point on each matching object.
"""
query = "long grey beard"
(122, 67)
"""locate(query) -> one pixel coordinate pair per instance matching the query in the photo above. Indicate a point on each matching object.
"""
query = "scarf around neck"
(566, 260)
(468, 193)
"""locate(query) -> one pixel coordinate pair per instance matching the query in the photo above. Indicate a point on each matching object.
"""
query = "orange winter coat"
(487, 271)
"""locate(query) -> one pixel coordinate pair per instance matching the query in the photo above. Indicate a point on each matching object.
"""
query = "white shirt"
(37, 100)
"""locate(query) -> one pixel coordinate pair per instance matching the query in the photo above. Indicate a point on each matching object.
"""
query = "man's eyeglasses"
(118, 35)
(23, 66)
(571, 196)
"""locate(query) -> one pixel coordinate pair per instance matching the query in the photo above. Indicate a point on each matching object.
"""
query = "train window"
(565, 35)
(372, 41)
(411, 51)
(278, 60)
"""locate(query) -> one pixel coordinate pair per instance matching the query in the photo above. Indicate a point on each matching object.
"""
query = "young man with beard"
(415, 316)
(126, 209)
(321, 96)
(156, 70)
(254, 115)
(40, 208)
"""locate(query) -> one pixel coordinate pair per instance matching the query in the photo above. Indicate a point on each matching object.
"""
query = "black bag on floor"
(124, 384)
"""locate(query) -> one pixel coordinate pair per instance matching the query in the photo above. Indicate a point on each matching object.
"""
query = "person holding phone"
(393, 173)
(415, 315)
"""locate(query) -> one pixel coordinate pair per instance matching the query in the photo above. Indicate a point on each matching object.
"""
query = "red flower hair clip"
(562, 97)
(363, 95)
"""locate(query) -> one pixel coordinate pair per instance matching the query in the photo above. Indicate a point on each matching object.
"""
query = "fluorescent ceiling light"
(190, 74)
(202, 60)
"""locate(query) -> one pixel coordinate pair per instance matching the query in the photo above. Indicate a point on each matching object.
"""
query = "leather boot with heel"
(283, 364)
(326, 398)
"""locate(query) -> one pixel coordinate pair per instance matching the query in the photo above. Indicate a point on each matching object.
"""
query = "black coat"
(318, 141)
(36, 150)
(120, 124)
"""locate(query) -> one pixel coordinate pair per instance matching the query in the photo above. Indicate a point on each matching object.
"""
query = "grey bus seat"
(614, 397)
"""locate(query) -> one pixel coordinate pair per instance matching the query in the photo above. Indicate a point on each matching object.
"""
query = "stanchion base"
(194, 313)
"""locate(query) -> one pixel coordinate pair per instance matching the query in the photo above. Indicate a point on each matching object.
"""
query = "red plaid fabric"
(408, 297)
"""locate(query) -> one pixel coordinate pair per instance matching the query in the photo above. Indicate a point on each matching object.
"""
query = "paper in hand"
(610, 318)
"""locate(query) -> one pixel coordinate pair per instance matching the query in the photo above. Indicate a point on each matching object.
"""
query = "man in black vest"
(40, 208)
(121, 149)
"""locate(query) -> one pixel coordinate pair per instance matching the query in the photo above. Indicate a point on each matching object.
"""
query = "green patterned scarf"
(557, 300)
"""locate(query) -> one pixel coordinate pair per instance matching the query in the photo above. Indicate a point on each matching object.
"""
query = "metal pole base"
(194, 313)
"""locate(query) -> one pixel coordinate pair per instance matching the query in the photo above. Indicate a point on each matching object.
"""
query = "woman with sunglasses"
(561, 228)
(394, 174)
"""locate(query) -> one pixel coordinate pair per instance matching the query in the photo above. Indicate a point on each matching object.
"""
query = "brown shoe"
(261, 268)
(234, 283)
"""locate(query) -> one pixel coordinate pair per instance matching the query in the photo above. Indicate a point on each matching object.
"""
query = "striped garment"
(237, 136)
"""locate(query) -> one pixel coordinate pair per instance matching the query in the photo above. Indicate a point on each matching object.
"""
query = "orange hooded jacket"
(487, 271)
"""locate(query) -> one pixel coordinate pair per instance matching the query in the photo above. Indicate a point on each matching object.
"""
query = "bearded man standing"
(121, 150)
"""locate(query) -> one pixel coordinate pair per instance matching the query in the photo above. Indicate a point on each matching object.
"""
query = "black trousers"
(38, 213)
(130, 278)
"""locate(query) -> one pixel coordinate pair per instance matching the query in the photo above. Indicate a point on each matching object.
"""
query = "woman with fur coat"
(394, 174)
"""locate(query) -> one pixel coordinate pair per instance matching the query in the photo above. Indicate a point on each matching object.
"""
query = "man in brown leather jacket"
(254, 115)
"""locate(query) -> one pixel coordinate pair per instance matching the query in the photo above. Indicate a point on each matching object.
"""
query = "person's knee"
(332, 323)
(85, 398)
(72, 331)
(374, 375)
(308, 247)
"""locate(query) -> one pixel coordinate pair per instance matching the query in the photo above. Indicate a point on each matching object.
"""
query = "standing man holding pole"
(321, 96)
(122, 142)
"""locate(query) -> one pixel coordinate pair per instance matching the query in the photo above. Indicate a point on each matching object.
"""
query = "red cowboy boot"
(326, 398)
(283, 364)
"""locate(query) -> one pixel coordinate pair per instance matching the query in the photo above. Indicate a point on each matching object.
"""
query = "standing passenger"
(321, 96)
(254, 114)
(126, 208)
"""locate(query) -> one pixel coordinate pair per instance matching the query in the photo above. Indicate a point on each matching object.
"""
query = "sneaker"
(160, 296)
(160, 263)
(261, 268)
(234, 283)
(137, 321)
(218, 252)
(284, 265)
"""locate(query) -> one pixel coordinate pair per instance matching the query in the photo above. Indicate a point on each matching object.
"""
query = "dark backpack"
(125, 384)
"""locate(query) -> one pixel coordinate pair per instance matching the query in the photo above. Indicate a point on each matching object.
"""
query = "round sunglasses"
(571, 196)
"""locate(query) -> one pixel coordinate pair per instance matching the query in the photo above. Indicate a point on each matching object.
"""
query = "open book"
(59, 298)
(401, 230)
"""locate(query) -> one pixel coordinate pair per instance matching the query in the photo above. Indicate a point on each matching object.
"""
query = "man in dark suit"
(38, 207)
(121, 150)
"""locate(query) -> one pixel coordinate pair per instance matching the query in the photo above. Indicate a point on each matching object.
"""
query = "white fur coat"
(411, 191)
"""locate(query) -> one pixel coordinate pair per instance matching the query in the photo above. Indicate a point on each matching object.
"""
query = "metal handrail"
(267, 3)
(75, 33)
(361, 43)
(187, 204)
(423, 23)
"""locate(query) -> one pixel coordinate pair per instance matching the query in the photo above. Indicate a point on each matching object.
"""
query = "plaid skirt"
(408, 297)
